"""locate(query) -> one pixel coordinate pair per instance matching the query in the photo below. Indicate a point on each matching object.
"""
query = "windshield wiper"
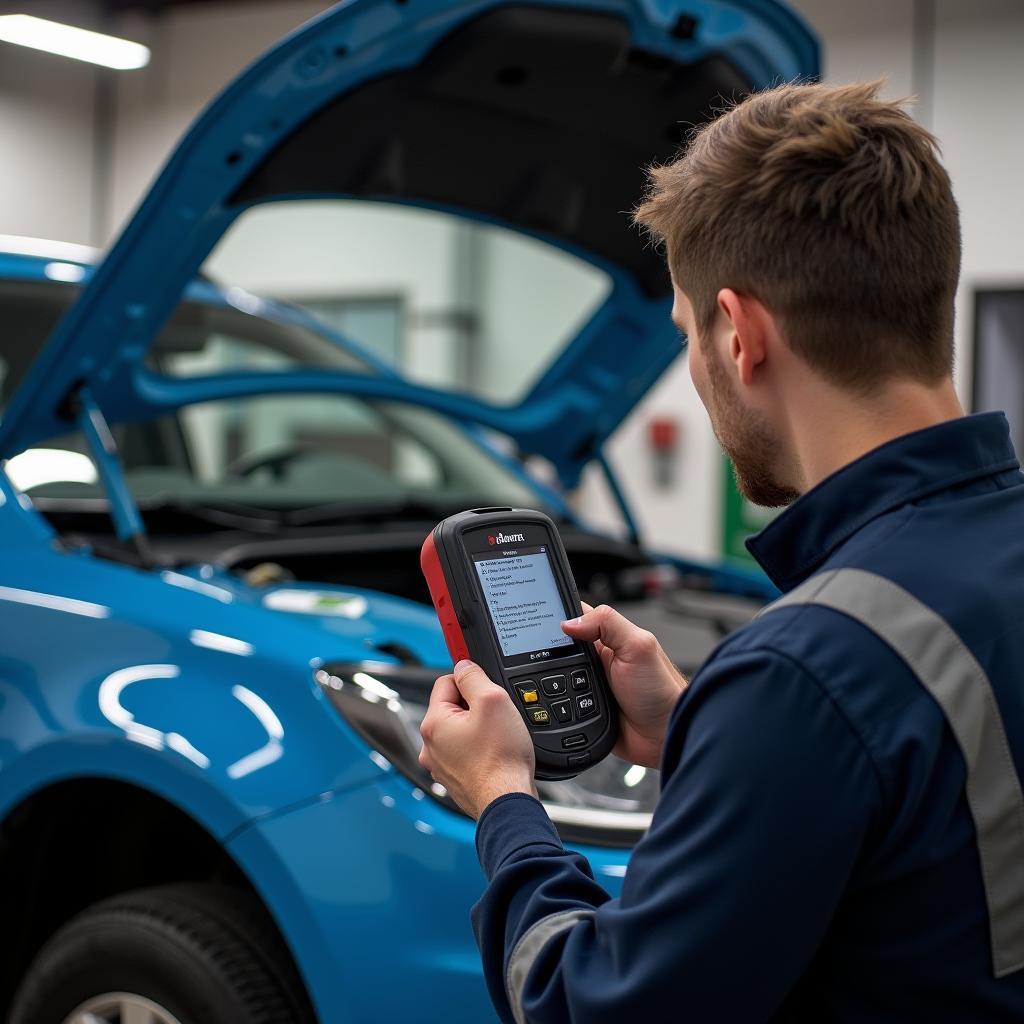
(230, 516)
(237, 516)
(346, 512)
(402, 508)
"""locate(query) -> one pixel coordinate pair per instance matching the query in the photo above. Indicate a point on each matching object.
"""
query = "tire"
(201, 954)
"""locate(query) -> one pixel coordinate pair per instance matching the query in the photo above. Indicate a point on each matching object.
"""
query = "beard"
(747, 439)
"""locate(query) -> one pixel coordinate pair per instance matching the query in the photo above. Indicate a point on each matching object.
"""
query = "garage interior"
(353, 225)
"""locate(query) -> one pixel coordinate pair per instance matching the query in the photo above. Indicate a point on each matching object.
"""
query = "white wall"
(197, 49)
(979, 119)
(969, 72)
(46, 134)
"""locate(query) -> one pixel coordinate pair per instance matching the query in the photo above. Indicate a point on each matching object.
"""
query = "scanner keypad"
(557, 699)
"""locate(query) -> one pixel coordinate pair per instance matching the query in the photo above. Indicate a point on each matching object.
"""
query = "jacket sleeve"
(767, 796)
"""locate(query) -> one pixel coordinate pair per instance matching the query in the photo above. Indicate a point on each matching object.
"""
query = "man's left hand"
(475, 742)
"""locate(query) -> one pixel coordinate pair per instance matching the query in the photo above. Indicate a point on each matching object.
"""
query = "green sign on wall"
(740, 518)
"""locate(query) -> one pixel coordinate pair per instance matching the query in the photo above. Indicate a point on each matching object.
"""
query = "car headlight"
(609, 804)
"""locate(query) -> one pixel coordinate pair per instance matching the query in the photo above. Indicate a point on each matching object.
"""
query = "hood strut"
(124, 511)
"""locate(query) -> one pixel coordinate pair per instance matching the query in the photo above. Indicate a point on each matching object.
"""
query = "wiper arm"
(345, 511)
(231, 516)
(400, 508)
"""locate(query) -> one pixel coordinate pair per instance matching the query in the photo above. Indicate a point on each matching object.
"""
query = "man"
(840, 832)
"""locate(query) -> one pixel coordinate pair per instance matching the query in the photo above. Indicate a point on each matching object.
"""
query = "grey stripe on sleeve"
(948, 670)
(528, 948)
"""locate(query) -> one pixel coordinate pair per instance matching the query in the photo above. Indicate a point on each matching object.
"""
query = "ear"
(748, 325)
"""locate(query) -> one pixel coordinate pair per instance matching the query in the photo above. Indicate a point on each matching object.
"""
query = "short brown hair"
(829, 205)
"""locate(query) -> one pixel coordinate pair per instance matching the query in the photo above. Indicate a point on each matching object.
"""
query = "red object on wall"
(663, 437)
(663, 433)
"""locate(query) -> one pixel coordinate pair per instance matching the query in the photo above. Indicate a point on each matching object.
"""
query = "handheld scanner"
(501, 586)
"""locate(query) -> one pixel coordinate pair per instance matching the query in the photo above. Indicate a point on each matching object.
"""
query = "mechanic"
(840, 829)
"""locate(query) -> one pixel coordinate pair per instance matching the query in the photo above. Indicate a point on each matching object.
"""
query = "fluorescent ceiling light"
(22, 245)
(68, 41)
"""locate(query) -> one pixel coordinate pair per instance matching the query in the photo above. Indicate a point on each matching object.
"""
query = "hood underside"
(539, 117)
(534, 116)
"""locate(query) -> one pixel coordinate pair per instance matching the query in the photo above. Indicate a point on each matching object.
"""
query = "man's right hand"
(645, 682)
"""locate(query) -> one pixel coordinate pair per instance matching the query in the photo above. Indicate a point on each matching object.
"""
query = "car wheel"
(183, 954)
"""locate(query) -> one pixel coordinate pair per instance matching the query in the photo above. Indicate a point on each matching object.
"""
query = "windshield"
(199, 338)
(325, 455)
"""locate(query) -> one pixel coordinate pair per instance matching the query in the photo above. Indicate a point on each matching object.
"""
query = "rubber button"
(554, 686)
(562, 710)
(528, 692)
(579, 760)
(539, 716)
(585, 705)
(580, 679)
(577, 739)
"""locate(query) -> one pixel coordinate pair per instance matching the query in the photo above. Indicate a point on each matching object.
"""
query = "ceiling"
(155, 6)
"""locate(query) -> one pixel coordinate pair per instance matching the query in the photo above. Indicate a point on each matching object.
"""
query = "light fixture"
(72, 273)
(23, 245)
(69, 41)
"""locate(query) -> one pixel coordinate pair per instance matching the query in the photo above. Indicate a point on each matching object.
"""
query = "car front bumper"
(372, 889)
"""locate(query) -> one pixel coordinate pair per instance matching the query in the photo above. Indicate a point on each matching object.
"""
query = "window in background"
(376, 324)
(998, 372)
(483, 308)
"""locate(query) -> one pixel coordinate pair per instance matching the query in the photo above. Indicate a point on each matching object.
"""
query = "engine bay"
(689, 618)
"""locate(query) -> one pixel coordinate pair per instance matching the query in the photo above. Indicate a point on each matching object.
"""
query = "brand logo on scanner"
(505, 538)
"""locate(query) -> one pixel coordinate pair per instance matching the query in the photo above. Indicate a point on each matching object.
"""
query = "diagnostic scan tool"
(501, 587)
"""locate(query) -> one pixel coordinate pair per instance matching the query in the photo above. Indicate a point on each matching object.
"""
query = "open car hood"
(540, 117)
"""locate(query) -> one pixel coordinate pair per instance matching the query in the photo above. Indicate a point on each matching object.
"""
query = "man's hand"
(475, 742)
(645, 682)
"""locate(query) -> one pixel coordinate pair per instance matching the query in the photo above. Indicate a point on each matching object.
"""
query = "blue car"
(215, 643)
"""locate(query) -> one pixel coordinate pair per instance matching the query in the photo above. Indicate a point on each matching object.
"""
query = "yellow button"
(529, 696)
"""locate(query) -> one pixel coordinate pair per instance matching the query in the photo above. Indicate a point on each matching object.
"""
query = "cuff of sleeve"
(509, 823)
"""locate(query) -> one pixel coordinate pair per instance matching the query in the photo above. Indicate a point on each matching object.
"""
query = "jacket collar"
(905, 469)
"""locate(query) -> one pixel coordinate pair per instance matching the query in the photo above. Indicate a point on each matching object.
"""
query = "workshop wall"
(47, 171)
(81, 176)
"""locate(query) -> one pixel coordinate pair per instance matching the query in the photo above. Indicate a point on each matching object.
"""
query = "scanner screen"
(523, 599)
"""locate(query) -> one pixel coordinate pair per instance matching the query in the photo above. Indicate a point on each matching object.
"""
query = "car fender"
(213, 705)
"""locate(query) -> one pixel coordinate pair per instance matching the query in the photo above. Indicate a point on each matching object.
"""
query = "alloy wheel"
(120, 1008)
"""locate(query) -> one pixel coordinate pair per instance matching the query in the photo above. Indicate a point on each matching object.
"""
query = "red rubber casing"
(433, 573)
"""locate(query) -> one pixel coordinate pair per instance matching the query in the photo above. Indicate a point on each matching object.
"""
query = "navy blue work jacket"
(812, 857)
